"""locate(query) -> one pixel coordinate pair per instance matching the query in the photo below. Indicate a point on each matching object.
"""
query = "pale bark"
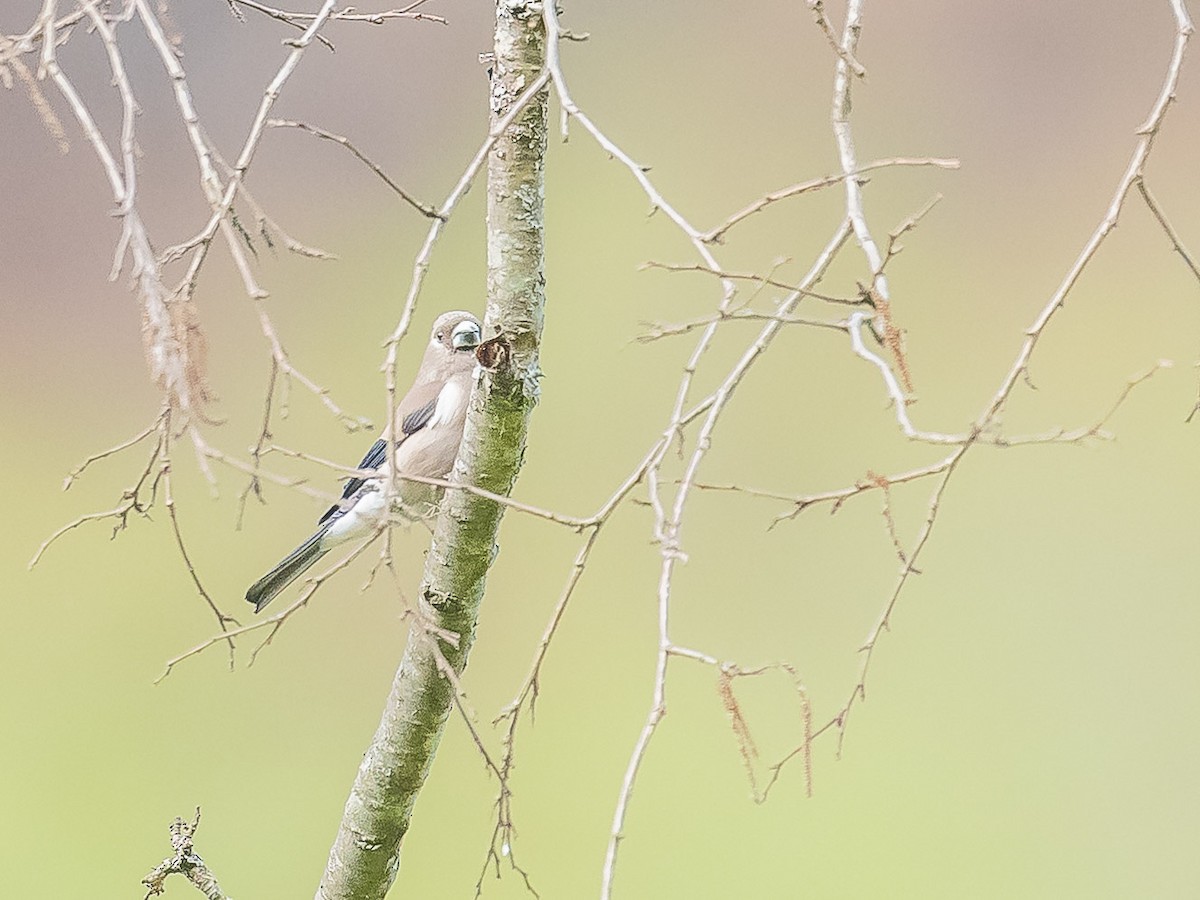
(366, 853)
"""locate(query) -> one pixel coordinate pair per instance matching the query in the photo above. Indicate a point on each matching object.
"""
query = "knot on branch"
(520, 9)
(444, 604)
(511, 361)
(495, 353)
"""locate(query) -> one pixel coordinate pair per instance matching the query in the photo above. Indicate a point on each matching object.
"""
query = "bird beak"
(465, 336)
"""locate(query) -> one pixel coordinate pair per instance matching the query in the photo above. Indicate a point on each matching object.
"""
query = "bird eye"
(440, 335)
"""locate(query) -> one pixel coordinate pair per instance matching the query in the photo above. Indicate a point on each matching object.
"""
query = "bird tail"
(289, 569)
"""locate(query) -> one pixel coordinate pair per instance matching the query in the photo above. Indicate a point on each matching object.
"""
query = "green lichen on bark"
(366, 853)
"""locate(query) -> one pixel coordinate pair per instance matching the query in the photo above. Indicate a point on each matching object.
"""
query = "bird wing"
(375, 458)
(413, 418)
(417, 419)
(417, 407)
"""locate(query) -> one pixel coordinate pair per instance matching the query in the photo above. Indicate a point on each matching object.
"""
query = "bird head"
(456, 331)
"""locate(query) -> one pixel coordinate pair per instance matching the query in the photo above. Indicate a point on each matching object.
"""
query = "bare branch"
(845, 54)
(184, 861)
(173, 340)
(717, 234)
(667, 528)
(1172, 234)
(895, 391)
(221, 196)
(423, 208)
(223, 620)
(658, 331)
(138, 499)
(751, 276)
(907, 568)
(150, 429)
(254, 483)
(273, 623)
(575, 523)
(349, 14)
(836, 497)
(205, 451)
(1147, 132)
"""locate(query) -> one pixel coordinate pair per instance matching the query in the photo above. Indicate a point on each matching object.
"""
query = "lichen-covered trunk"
(366, 853)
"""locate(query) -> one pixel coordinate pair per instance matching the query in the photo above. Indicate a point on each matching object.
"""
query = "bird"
(431, 418)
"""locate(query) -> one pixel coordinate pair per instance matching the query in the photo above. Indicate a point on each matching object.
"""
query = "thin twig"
(1172, 234)
(750, 276)
(718, 233)
(846, 55)
(275, 622)
(75, 473)
(423, 208)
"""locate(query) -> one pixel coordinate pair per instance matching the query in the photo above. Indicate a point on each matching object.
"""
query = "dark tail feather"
(292, 567)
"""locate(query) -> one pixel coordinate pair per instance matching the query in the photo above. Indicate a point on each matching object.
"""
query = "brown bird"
(431, 418)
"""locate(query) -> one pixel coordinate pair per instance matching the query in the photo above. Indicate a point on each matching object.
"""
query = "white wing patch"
(366, 513)
(449, 402)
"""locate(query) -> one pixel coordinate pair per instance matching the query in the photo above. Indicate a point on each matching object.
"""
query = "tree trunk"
(366, 853)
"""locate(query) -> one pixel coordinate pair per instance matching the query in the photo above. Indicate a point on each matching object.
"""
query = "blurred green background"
(1032, 720)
